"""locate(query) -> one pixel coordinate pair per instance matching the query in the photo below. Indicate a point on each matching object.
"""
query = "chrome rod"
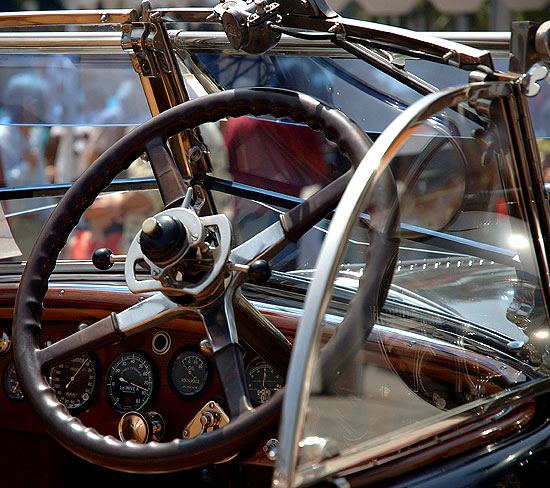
(108, 42)
(61, 42)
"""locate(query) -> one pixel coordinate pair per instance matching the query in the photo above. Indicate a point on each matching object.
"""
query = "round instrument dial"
(11, 384)
(129, 382)
(262, 381)
(189, 373)
(76, 381)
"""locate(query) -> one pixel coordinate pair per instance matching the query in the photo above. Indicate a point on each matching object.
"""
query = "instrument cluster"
(148, 376)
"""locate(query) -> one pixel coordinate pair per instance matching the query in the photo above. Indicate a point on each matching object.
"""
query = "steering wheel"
(221, 283)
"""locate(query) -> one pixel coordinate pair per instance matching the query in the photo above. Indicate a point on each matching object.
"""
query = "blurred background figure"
(113, 220)
(280, 155)
(22, 144)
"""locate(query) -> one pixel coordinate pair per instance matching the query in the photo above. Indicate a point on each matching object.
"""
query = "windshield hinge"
(143, 42)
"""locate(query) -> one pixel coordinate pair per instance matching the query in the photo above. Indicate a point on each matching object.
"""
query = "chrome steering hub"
(185, 254)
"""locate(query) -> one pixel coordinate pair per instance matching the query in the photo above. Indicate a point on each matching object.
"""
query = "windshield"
(60, 112)
(78, 105)
(440, 257)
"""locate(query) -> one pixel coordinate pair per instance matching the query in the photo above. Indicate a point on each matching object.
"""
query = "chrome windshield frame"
(447, 50)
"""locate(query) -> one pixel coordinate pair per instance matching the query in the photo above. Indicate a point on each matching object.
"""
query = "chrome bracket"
(144, 43)
(208, 418)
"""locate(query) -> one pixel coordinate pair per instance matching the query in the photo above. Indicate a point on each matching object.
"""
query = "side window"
(57, 115)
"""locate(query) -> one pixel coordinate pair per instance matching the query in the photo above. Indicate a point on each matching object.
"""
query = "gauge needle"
(74, 375)
(124, 380)
(190, 371)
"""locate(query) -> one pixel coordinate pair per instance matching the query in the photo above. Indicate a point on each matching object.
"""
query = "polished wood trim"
(54, 17)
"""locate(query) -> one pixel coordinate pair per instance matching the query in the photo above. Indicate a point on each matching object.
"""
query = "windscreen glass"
(438, 258)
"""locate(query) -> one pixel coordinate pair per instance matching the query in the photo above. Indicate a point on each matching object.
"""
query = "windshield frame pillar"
(526, 154)
(148, 45)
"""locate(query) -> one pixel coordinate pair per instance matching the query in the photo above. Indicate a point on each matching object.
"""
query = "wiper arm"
(462, 245)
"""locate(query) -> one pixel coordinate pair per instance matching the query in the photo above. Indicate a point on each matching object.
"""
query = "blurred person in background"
(22, 161)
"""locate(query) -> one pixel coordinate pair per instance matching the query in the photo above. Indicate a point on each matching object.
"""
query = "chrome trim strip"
(61, 42)
(216, 42)
(492, 41)
(306, 345)
(108, 42)
(184, 14)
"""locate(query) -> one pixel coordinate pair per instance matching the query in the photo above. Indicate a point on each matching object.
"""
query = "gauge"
(129, 381)
(262, 381)
(189, 373)
(11, 384)
(76, 381)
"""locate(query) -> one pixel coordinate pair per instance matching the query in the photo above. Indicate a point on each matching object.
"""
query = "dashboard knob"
(259, 271)
(101, 258)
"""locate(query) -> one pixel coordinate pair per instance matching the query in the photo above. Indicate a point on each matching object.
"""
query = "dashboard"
(154, 384)
(164, 374)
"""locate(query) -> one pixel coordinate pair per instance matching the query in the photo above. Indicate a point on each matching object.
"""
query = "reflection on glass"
(274, 156)
(440, 254)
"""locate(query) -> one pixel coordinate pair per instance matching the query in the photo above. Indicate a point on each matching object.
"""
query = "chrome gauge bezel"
(130, 373)
(82, 385)
(199, 364)
(12, 391)
(271, 377)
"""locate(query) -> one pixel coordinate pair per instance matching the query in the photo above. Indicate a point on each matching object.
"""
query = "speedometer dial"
(75, 382)
(129, 382)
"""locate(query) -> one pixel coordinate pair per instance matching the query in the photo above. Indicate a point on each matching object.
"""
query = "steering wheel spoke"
(264, 245)
(148, 313)
(96, 335)
(219, 322)
(230, 361)
(172, 188)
